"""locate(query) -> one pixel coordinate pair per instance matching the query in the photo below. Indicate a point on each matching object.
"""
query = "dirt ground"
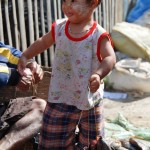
(136, 108)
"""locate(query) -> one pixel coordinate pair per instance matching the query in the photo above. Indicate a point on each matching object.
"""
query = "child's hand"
(25, 82)
(94, 82)
(22, 65)
(36, 71)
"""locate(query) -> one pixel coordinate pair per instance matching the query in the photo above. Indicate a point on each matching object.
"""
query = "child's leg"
(58, 131)
(91, 127)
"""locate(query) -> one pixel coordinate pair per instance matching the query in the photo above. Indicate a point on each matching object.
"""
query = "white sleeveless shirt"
(74, 62)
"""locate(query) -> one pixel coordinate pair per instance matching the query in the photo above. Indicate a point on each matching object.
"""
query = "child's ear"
(97, 2)
(94, 3)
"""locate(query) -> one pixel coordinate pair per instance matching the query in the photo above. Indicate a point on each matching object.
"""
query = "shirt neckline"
(82, 37)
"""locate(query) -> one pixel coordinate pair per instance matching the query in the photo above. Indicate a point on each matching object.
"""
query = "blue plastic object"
(138, 10)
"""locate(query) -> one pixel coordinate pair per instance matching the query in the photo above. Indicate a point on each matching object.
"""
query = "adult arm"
(9, 57)
(8, 76)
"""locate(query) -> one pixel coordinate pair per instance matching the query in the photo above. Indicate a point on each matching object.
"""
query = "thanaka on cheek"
(82, 8)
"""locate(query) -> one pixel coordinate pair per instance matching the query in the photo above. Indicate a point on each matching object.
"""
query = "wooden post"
(36, 27)
(1, 24)
(15, 26)
(8, 23)
(22, 24)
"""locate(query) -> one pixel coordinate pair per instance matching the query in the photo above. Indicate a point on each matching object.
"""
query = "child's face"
(77, 10)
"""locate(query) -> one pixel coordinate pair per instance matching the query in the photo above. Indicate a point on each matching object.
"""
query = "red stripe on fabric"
(53, 30)
(81, 38)
(106, 34)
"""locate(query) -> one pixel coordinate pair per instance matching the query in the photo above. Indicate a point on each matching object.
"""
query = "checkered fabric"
(59, 125)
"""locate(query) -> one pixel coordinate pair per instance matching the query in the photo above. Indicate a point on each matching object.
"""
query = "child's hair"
(88, 1)
(99, 1)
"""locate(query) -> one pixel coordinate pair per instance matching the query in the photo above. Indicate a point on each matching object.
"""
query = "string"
(89, 121)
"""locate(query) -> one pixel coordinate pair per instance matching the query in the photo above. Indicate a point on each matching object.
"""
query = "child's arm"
(34, 49)
(108, 58)
(107, 64)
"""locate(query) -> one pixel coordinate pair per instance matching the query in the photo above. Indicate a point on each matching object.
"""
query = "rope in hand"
(35, 86)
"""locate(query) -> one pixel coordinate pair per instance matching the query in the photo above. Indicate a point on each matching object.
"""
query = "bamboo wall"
(23, 21)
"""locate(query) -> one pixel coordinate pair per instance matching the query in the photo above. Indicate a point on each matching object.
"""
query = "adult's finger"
(21, 66)
(38, 75)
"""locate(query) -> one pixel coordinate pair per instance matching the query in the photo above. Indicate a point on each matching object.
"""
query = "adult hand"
(94, 82)
(36, 71)
(22, 65)
(25, 82)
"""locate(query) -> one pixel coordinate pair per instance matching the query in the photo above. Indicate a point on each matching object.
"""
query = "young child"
(83, 57)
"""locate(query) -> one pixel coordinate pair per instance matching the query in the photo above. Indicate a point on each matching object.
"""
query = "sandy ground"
(136, 109)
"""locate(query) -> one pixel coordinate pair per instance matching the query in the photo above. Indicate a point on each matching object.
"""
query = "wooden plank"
(8, 23)
(121, 12)
(1, 24)
(59, 9)
(116, 11)
(30, 18)
(17, 43)
(113, 14)
(42, 17)
(126, 7)
(104, 14)
(96, 15)
(22, 25)
(49, 20)
(43, 30)
(55, 9)
(107, 15)
(49, 14)
(100, 14)
(38, 57)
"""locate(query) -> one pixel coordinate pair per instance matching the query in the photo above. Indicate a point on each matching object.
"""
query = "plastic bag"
(129, 129)
(130, 75)
(132, 39)
(139, 9)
